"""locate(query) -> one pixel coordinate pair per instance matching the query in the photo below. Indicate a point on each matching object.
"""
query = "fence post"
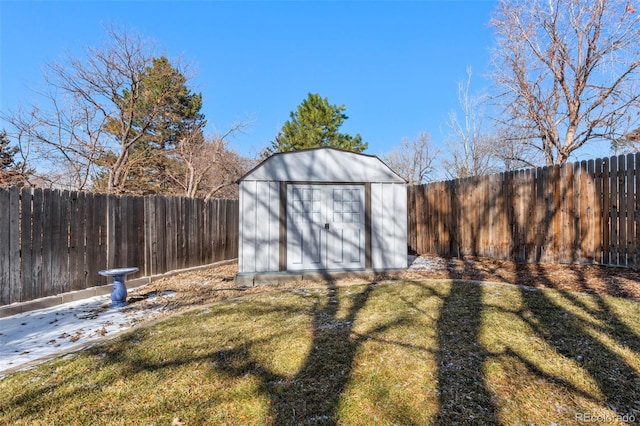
(5, 249)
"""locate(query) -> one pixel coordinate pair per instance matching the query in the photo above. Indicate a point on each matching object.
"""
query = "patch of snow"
(37, 335)
(422, 263)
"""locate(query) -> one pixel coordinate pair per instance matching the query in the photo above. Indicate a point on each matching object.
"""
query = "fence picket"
(165, 236)
(5, 261)
(571, 235)
(636, 213)
(36, 244)
(412, 216)
(584, 247)
(630, 210)
(622, 212)
(76, 279)
(600, 218)
(592, 217)
(26, 241)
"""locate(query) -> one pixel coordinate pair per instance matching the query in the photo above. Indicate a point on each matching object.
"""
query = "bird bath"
(119, 289)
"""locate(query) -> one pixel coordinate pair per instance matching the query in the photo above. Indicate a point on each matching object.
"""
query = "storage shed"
(320, 210)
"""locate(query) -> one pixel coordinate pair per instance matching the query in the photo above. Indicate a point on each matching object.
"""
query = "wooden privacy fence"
(584, 212)
(53, 241)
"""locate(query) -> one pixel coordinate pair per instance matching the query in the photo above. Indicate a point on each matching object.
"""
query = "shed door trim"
(367, 225)
(282, 250)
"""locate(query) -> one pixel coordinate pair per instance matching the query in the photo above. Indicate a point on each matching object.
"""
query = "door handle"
(326, 226)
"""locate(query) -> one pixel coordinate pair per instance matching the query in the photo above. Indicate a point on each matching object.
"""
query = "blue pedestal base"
(118, 292)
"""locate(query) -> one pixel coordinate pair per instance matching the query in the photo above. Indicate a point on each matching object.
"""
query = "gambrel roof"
(323, 164)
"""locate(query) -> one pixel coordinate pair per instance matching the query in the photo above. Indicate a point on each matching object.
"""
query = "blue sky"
(394, 65)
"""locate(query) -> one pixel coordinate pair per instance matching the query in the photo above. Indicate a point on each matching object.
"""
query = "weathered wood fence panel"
(585, 212)
(55, 241)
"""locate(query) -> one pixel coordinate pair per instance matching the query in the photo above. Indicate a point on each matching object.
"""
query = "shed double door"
(325, 227)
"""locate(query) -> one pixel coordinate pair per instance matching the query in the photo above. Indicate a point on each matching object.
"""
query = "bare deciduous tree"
(513, 149)
(206, 166)
(96, 108)
(569, 72)
(630, 143)
(12, 170)
(81, 97)
(63, 140)
(413, 159)
(470, 145)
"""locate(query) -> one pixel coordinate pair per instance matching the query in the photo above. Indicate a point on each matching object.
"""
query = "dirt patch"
(196, 288)
(591, 279)
(191, 289)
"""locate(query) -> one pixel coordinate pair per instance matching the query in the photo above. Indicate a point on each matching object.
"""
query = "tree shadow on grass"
(313, 394)
(577, 327)
(582, 329)
(575, 337)
(463, 395)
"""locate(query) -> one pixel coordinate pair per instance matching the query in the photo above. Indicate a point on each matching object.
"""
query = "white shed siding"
(388, 226)
(259, 226)
(246, 227)
(400, 226)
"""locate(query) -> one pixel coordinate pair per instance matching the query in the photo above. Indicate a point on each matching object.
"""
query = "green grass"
(433, 352)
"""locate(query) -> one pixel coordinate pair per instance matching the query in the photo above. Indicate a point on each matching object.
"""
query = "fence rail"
(584, 212)
(53, 241)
